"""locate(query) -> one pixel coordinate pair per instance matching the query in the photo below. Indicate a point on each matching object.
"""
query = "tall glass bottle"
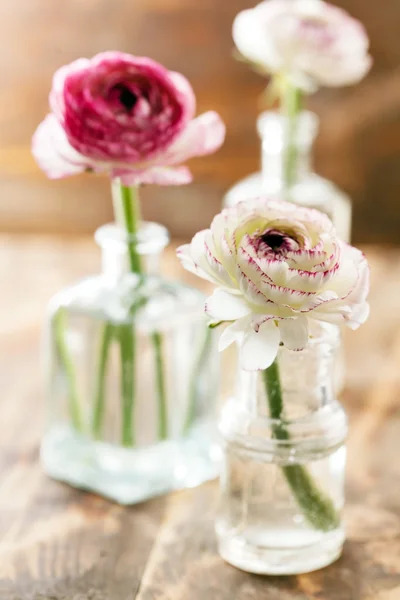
(308, 188)
(132, 373)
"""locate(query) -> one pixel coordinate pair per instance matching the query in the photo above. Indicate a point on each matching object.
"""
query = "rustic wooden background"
(359, 145)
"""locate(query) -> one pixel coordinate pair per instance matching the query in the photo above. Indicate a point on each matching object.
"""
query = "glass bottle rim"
(151, 238)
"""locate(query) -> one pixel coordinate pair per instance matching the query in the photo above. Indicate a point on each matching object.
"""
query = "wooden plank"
(64, 544)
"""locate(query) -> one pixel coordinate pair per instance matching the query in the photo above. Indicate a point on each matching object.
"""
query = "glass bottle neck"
(116, 248)
(272, 129)
(272, 167)
(304, 380)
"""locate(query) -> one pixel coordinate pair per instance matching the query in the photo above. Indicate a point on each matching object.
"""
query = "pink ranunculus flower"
(277, 266)
(126, 115)
(312, 42)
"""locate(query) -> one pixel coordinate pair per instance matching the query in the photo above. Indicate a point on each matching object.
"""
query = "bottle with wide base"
(132, 376)
(282, 479)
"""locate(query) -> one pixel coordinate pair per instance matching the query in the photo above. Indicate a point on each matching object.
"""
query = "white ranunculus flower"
(276, 266)
(312, 42)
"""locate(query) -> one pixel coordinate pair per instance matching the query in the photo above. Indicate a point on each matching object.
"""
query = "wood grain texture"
(57, 543)
(358, 147)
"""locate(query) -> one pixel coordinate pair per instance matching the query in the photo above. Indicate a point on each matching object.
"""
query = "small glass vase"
(132, 374)
(282, 480)
(308, 189)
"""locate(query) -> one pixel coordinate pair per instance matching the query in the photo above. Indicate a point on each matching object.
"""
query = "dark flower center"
(273, 240)
(127, 98)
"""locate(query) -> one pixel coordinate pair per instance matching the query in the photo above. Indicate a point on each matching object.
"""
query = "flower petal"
(185, 256)
(56, 98)
(310, 281)
(350, 315)
(205, 260)
(234, 333)
(202, 135)
(250, 39)
(359, 314)
(53, 153)
(188, 99)
(259, 349)
(294, 332)
(154, 175)
(223, 306)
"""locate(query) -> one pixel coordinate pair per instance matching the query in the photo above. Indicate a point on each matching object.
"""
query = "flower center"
(276, 242)
(127, 98)
(273, 240)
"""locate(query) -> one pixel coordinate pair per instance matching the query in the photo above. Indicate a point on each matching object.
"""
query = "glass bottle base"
(130, 475)
(250, 553)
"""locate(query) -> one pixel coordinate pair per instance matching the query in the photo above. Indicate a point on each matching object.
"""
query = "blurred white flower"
(276, 266)
(311, 42)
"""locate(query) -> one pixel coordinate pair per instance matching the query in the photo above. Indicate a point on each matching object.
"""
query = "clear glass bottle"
(309, 189)
(282, 481)
(132, 374)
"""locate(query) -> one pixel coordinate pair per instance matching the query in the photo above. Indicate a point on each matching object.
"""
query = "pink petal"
(203, 135)
(56, 97)
(53, 153)
(184, 88)
(158, 175)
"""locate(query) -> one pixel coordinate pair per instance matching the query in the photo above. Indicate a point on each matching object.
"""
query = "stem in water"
(317, 507)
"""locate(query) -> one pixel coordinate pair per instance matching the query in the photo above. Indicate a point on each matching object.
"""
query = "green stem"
(194, 379)
(130, 217)
(127, 354)
(99, 393)
(68, 368)
(161, 391)
(126, 203)
(131, 220)
(317, 507)
(291, 105)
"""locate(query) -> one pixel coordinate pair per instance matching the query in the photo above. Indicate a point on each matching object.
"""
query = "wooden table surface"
(57, 543)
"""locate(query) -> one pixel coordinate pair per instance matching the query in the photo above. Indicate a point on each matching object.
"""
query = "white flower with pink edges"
(277, 266)
(311, 42)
